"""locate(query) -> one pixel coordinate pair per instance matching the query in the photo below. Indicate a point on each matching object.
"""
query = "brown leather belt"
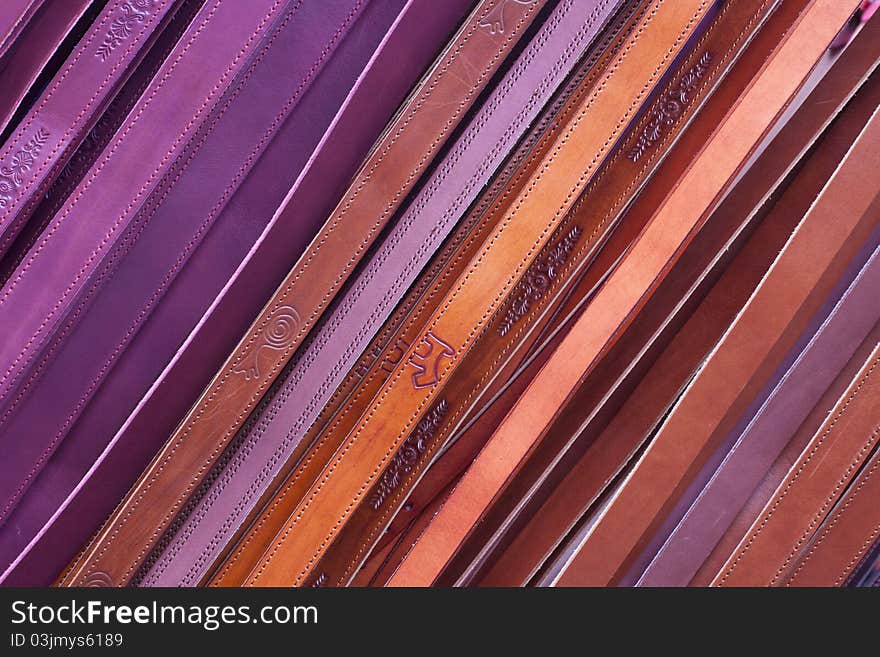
(624, 293)
(352, 398)
(416, 383)
(595, 457)
(469, 430)
(725, 386)
(397, 161)
(849, 434)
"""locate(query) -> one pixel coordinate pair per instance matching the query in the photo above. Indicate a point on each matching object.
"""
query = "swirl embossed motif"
(279, 333)
(98, 579)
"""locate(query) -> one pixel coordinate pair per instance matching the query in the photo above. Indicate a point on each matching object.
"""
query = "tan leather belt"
(353, 396)
(416, 383)
(593, 458)
(498, 353)
(849, 434)
(726, 384)
(845, 536)
(626, 291)
(393, 167)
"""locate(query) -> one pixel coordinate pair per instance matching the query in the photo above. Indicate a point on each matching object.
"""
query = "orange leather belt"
(722, 40)
(628, 288)
(352, 398)
(592, 459)
(766, 329)
(846, 439)
(414, 388)
(390, 171)
(540, 297)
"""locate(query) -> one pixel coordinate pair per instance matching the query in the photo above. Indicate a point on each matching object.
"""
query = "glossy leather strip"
(62, 116)
(613, 307)
(414, 388)
(14, 18)
(31, 52)
(768, 432)
(27, 457)
(723, 389)
(846, 438)
(729, 32)
(397, 161)
(191, 237)
(811, 489)
(360, 385)
(510, 336)
(270, 437)
(418, 32)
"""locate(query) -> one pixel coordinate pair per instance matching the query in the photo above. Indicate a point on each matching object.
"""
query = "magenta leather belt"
(50, 132)
(262, 447)
(189, 243)
(24, 57)
(419, 30)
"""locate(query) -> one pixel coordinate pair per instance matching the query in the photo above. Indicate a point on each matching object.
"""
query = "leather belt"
(840, 543)
(270, 437)
(189, 239)
(50, 374)
(767, 434)
(512, 333)
(14, 17)
(99, 136)
(29, 55)
(419, 30)
(723, 40)
(62, 117)
(755, 358)
(851, 427)
(398, 159)
(611, 309)
(353, 396)
(493, 273)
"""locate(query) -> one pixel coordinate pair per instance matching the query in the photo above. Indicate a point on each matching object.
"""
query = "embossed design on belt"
(426, 360)
(408, 455)
(12, 176)
(536, 282)
(130, 14)
(280, 332)
(675, 99)
(494, 21)
(98, 579)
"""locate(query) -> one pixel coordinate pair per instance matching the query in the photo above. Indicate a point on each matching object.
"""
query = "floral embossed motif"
(408, 455)
(280, 332)
(671, 105)
(494, 21)
(12, 174)
(537, 279)
(123, 24)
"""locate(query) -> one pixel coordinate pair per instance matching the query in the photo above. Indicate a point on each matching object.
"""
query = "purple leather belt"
(420, 29)
(14, 17)
(268, 439)
(52, 130)
(23, 59)
(186, 243)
